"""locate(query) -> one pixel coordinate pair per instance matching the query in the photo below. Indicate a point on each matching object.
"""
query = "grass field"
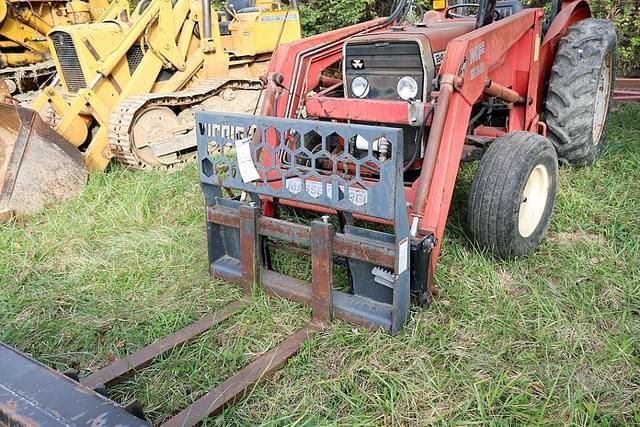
(552, 339)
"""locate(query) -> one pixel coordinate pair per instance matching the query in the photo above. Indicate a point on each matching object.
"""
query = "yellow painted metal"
(25, 24)
(439, 4)
(172, 56)
(255, 33)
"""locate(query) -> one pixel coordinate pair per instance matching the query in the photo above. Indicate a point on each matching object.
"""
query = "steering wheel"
(449, 14)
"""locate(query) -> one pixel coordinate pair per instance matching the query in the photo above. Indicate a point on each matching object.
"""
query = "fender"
(570, 13)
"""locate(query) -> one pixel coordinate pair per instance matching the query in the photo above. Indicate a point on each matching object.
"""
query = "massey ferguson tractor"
(362, 131)
(365, 128)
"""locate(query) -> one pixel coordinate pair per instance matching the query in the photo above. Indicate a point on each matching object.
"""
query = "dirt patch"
(571, 239)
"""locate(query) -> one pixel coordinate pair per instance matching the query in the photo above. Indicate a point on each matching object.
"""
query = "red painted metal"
(627, 90)
(511, 53)
(570, 13)
(359, 110)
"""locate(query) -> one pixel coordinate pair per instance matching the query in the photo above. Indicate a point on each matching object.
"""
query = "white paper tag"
(403, 255)
(248, 170)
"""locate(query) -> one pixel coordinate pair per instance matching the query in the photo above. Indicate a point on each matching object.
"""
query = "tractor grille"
(134, 57)
(69, 63)
(383, 63)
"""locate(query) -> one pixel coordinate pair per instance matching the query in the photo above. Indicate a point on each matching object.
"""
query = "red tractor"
(364, 129)
(367, 125)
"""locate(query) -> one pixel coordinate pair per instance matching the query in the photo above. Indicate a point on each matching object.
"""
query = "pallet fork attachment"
(283, 172)
(237, 232)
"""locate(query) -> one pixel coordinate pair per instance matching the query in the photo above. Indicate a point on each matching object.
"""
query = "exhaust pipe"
(206, 19)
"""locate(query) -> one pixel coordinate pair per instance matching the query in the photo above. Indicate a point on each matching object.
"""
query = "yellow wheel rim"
(534, 200)
(602, 100)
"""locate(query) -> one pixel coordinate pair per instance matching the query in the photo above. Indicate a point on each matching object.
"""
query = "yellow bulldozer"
(25, 61)
(129, 87)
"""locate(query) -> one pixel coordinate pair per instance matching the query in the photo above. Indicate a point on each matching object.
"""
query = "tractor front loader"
(376, 152)
(128, 87)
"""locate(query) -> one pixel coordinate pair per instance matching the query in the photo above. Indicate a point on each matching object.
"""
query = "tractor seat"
(239, 6)
(505, 8)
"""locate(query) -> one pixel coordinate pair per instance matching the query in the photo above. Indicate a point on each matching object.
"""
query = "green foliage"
(319, 16)
(625, 14)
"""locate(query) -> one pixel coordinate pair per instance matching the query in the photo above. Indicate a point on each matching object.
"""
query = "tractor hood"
(400, 63)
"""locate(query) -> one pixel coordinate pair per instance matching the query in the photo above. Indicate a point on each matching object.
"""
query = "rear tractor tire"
(580, 91)
(512, 194)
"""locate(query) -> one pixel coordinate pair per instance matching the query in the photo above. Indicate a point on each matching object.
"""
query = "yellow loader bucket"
(37, 166)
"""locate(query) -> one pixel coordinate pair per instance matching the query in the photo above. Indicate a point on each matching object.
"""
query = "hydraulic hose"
(397, 11)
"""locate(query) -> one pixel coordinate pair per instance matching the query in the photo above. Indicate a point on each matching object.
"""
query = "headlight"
(407, 88)
(360, 87)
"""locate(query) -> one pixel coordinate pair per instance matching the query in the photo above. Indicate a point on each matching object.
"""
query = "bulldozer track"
(126, 113)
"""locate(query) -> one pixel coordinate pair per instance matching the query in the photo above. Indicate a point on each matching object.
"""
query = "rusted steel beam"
(113, 373)
(233, 388)
(381, 254)
(627, 90)
(322, 271)
(628, 84)
(250, 250)
(285, 230)
(345, 307)
(364, 249)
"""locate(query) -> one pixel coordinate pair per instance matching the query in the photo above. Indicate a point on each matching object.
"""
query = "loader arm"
(470, 62)
(324, 149)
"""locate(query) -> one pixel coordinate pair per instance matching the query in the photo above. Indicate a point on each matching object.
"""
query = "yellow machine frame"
(24, 25)
(165, 33)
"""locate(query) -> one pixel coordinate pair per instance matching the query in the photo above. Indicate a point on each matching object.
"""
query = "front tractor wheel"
(513, 194)
(580, 91)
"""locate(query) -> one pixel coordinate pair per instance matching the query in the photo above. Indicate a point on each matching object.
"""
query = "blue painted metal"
(319, 175)
(217, 133)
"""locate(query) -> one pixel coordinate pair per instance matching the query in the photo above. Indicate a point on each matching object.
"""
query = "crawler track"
(125, 115)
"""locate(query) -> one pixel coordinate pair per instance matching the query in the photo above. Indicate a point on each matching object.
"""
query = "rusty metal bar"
(628, 84)
(345, 306)
(343, 245)
(113, 373)
(365, 249)
(233, 388)
(285, 230)
(322, 271)
(502, 92)
(249, 242)
(626, 90)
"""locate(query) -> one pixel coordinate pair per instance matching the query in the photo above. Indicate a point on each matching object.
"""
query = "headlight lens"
(360, 87)
(407, 88)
